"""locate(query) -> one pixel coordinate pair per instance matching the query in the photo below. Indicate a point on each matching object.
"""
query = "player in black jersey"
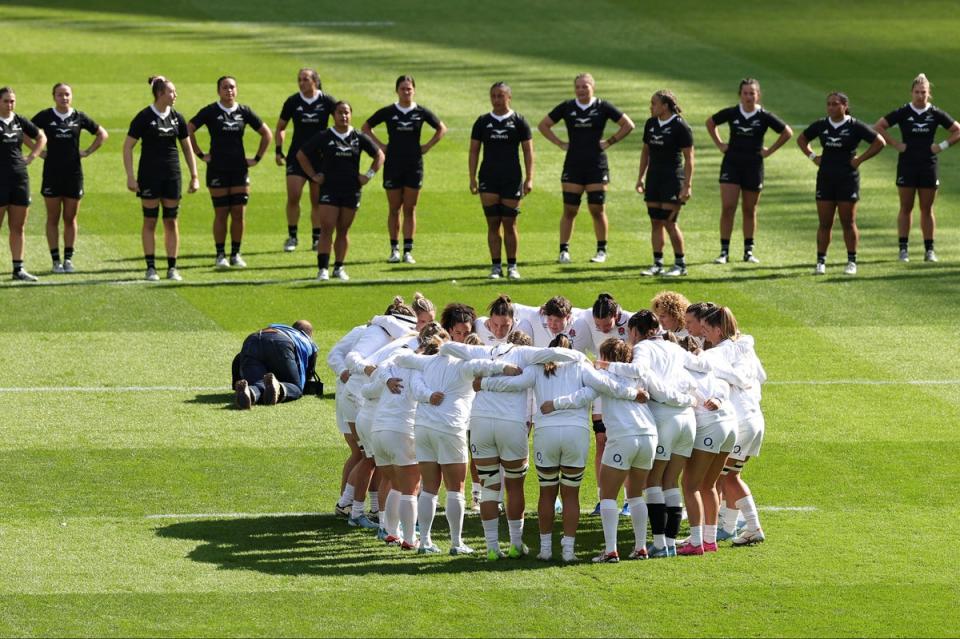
(585, 166)
(741, 171)
(157, 182)
(15, 131)
(338, 174)
(227, 165)
(666, 162)
(917, 163)
(838, 178)
(501, 183)
(403, 170)
(62, 172)
(310, 111)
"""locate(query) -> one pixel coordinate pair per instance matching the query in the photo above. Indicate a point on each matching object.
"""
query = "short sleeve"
(774, 122)
(893, 118)
(524, 128)
(684, 136)
(557, 113)
(199, 119)
(944, 119)
(864, 132)
(611, 112)
(430, 118)
(252, 119)
(87, 123)
(287, 110)
(367, 145)
(182, 132)
(29, 128)
(722, 116)
(477, 132)
(379, 117)
(813, 130)
(136, 127)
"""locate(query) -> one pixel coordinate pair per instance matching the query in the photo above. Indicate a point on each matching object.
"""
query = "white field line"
(796, 509)
(864, 382)
(248, 26)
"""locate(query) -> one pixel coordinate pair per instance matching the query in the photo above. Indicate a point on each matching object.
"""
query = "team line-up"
(328, 159)
(673, 396)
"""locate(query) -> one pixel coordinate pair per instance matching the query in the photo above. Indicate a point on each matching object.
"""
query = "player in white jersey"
(443, 386)
(590, 328)
(499, 322)
(670, 308)
(561, 439)
(345, 411)
(545, 323)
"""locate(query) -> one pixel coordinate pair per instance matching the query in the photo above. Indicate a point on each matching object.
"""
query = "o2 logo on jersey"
(708, 441)
(617, 458)
(736, 449)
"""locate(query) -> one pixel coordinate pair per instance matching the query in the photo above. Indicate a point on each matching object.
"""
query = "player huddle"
(672, 393)
(327, 157)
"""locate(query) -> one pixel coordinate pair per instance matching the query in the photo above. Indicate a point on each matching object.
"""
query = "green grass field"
(149, 513)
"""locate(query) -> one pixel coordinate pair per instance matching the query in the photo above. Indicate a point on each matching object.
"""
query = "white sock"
(426, 511)
(516, 532)
(653, 495)
(502, 484)
(546, 544)
(357, 510)
(660, 541)
(710, 534)
(728, 519)
(749, 509)
(455, 503)
(669, 541)
(390, 515)
(407, 509)
(610, 516)
(347, 497)
(638, 513)
(374, 501)
(598, 493)
(491, 532)
(672, 498)
(696, 535)
(567, 542)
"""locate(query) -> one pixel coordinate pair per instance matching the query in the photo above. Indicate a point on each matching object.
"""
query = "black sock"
(658, 258)
(234, 249)
(657, 513)
(17, 266)
(496, 261)
(564, 246)
(852, 257)
(724, 247)
(337, 265)
(407, 245)
(55, 255)
(674, 515)
(747, 245)
(928, 245)
(323, 260)
(151, 260)
(292, 230)
(171, 262)
(511, 261)
(601, 245)
(678, 259)
(68, 252)
(904, 242)
(821, 258)
(315, 233)
(220, 249)
(394, 244)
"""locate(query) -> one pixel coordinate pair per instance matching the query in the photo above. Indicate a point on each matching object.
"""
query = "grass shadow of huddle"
(322, 545)
(224, 399)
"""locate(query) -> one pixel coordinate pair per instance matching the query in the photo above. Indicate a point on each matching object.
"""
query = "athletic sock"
(151, 260)
(491, 532)
(821, 258)
(374, 501)
(747, 245)
(657, 513)
(724, 247)
(516, 532)
(407, 245)
(710, 534)
(234, 249)
(17, 266)
(315, 233)
(496, 262)
(171, 262)
(610, 516)
(220, 248)
(728, 519)
(567, 542)
(511, 261)
(638, 514)
(55, 255)
(394, 244)
(696, 535)
(546, 543)
(904, 243)
(749, 509)
(292, 230)
(323, 260)
(337, 265)
(68, 252)
(426, 511)
(601, 245)
(408, 517)
(356, 511)
(928, 245)
(564, 246)
(390, 515)
(658, 258)
(455, 503)
(671, 497)
(679, 260)
(852, 257)
(346, 498)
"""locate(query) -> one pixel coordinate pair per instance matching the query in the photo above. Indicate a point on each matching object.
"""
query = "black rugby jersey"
(918, 129)
(63, 139)
(339, 156)
(403, 129)
(585, 125)
(308, 118)
(11, 141)
(500, 138)
(839, 143)
(666, 142)
(226, 132)
(746, 133)
(158, 134)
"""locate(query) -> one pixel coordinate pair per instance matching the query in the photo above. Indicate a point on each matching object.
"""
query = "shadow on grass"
(225, 399)
(323, 545)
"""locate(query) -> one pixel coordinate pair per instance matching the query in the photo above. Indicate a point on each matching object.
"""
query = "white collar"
(343, 136)
(501, 118)
(236, 105)
(668, 120)
(405, 110)
(163, 113)
(8, 120)
(586, 106)
(748, 115)
(920, 111)
(839, 124)
(316, 96)
(63, 116)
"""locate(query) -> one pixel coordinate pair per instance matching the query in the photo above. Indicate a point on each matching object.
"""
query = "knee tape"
(508, 211)
(726, 471)
(548, 477)
(596, 197)
(516, 473)
(492, 210)
(170, 212)
(489, 475)
(738, 466)
(572, 198)
(239, 199)
(153, 211)
(220, 201)
(571, 480)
